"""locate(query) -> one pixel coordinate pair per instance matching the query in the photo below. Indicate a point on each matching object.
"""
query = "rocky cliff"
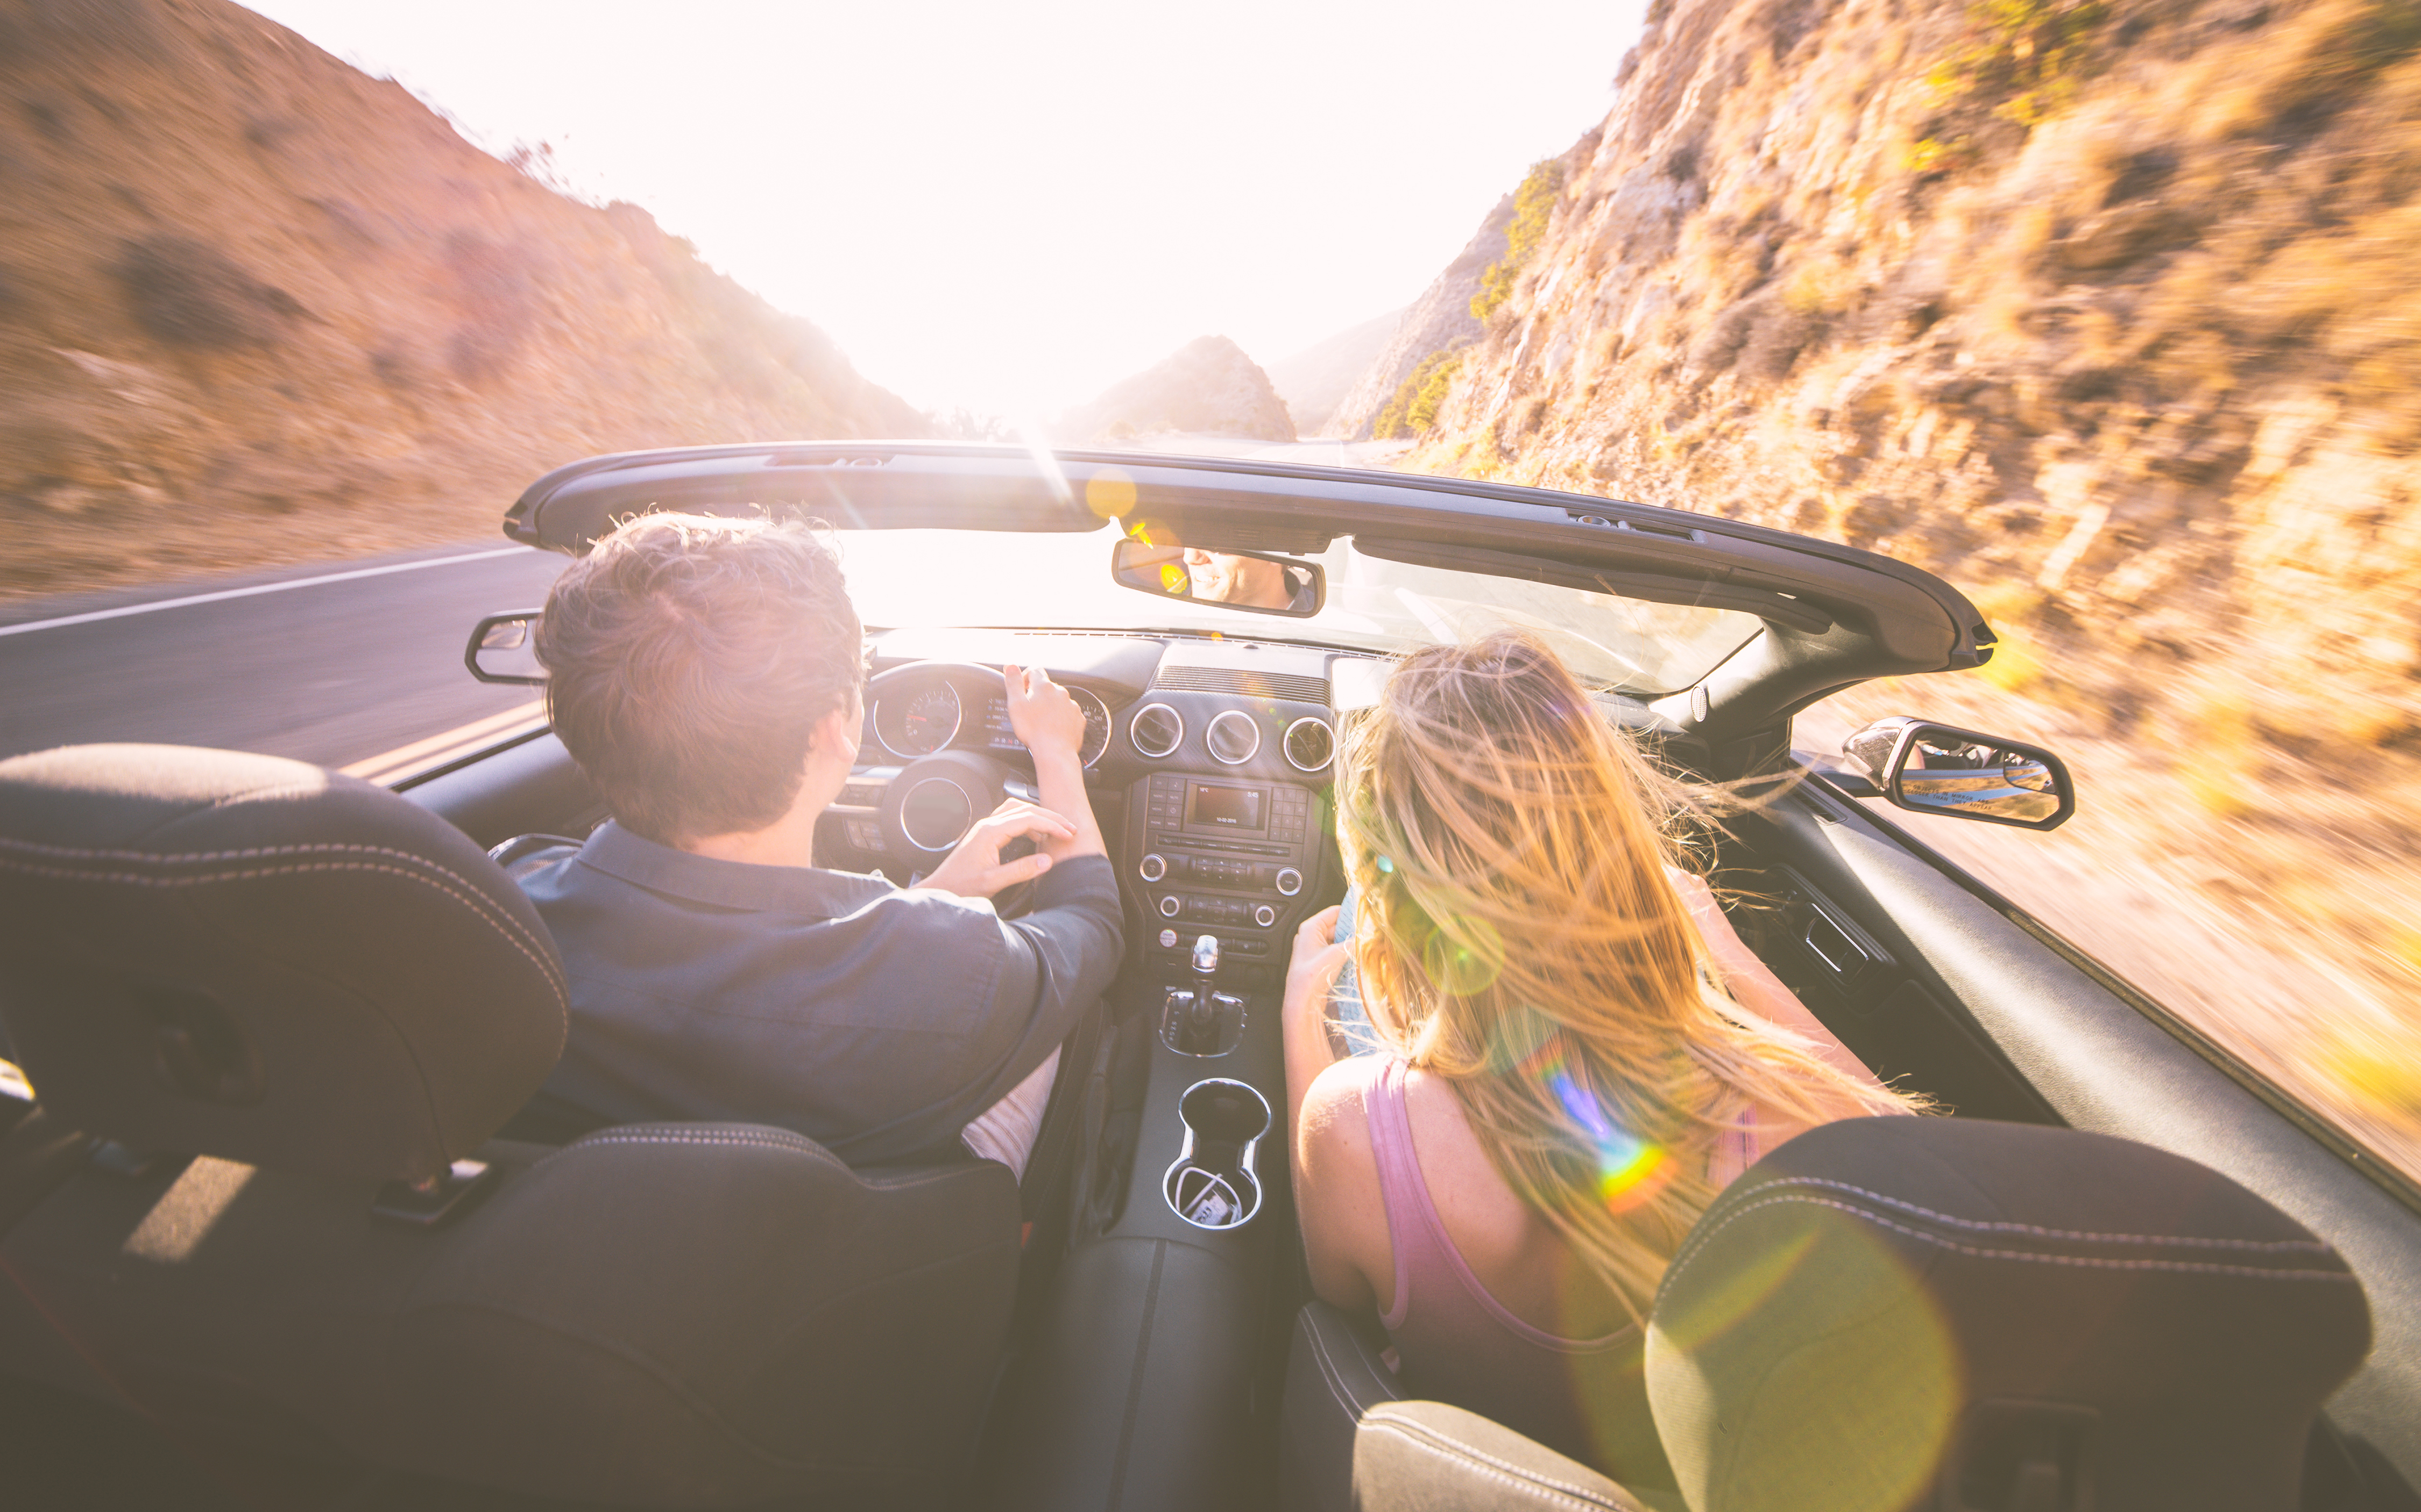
(256, 306)
(2102, 310)
(1438, 321)
(1207, 387)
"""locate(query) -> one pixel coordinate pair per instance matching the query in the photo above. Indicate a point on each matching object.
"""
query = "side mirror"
(1934, 768)
(1259, 582)
(504, 649)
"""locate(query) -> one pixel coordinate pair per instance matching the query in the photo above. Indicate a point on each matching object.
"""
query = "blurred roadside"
(2275, 915)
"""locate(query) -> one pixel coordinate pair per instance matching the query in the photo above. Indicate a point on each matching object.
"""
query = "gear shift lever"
(1202, 1017)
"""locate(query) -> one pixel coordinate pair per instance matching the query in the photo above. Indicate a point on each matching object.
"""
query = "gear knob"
(1206, 956)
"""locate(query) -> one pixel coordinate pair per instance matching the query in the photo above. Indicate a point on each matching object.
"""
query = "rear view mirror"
(1934, 768)
(1259, 582)
(504, 649)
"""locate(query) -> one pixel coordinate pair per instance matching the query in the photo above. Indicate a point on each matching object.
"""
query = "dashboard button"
(1265, 915)
(1152, 867)
(1289, 882)
(1171, 906)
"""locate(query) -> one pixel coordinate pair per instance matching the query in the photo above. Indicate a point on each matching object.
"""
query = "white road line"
(257, 588)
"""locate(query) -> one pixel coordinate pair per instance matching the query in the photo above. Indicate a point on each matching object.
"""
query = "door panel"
(2093, 1060)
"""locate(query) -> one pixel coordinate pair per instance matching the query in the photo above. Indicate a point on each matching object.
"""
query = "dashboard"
(1207, 761)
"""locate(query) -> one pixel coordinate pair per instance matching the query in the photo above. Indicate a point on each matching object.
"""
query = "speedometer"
(1096, 725)
(922, 723)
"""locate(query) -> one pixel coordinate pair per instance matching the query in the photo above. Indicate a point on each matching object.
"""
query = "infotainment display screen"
(1238, 808)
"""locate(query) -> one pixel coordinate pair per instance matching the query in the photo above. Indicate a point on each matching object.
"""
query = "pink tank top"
(1587, 1398)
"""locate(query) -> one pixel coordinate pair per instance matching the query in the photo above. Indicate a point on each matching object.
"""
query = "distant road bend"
(356, 666)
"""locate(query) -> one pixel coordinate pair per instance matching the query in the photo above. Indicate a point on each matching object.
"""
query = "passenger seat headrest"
(213, 953)
(1888, 1313)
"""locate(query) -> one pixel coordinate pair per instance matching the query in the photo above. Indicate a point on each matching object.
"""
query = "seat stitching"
(670, 1139)
(189, 858)
(2089, 1262)
(1331, 1375)
(1523, 1471)
(561, 1002)
(1497, 1469)
(771, 1139)
(2264, 1246)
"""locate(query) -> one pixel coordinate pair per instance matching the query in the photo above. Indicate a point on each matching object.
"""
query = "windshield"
(900, 578)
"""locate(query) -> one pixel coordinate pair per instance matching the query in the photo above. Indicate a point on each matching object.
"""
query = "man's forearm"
(1060, 781)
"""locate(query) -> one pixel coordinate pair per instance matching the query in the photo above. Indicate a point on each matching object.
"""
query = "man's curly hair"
(688, 659)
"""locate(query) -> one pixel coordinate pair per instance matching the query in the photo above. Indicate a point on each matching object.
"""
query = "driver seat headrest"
(1888, 1313)
(213, 953)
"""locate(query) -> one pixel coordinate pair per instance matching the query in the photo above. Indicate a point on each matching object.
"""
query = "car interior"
(283, 1225)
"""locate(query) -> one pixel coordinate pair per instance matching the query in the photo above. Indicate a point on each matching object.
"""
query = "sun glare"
(1009, 210)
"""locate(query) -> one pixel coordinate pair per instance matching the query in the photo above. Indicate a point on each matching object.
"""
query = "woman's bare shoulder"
(1332, 1121)
(1481, 1212)
(1338, 1200)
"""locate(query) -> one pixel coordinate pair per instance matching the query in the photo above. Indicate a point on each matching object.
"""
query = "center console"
(1222, 855)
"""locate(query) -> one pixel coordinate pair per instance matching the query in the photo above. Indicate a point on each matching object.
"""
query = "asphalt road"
(334, 663)
(335, 672)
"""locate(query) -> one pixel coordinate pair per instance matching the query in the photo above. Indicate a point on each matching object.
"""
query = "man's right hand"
(974, 869)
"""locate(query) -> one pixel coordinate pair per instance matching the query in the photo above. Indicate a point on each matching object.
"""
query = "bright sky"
(1009, 208)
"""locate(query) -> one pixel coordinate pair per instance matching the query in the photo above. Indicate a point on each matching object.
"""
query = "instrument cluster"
(935, 714)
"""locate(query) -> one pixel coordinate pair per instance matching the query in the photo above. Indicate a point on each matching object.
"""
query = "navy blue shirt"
(874, 1021)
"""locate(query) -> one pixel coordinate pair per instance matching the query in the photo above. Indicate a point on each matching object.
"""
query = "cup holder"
(1213, 1185)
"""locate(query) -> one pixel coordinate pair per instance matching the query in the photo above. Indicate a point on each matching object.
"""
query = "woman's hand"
(1731, 956)
(974, 869)
(1311, 971)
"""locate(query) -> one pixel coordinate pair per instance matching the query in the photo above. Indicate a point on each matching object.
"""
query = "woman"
(1580, 1051)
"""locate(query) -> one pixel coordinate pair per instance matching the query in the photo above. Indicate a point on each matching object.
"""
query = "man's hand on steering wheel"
(1043, 715)
(974, 869)
(1046, 718)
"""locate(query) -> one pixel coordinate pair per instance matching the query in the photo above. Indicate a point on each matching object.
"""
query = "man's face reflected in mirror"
(1222, 578)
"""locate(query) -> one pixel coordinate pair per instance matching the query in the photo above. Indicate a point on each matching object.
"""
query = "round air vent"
(1310, 744)
(1233, 735)
(1156, 730)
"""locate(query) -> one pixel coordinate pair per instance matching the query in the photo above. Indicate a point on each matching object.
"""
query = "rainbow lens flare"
(1631, 1171)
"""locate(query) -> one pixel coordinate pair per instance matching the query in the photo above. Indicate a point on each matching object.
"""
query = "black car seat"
(1885, 1315)
(283, 1011)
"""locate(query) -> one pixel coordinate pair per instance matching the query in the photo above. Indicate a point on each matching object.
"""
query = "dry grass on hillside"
(255, 306)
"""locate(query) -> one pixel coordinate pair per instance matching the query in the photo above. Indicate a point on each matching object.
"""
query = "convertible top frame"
(1834, 614)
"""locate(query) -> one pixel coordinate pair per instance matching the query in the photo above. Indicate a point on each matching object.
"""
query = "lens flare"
(1110, 494)
(1631, 1171)
(1464, 960)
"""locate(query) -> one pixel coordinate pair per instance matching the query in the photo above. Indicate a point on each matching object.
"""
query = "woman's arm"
(1302, 1012)
(1335, 1178)
(1752, 984)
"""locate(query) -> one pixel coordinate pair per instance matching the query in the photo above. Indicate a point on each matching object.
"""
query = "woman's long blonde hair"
(1517, 935)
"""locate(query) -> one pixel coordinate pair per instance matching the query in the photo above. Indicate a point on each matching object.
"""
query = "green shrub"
(1534, 203)
(2024, 57)
(1414, 407)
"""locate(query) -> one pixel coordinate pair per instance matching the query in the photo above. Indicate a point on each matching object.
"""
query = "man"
(707, 676)
(1224, 577)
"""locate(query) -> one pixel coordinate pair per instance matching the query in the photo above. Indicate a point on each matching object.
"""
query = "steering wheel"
(926, 810)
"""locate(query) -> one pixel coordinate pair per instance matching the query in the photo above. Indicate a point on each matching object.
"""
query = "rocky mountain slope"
(1207, 387)
(255, 306)
(1316, 379)
(2102, 310)
(1438, 321)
